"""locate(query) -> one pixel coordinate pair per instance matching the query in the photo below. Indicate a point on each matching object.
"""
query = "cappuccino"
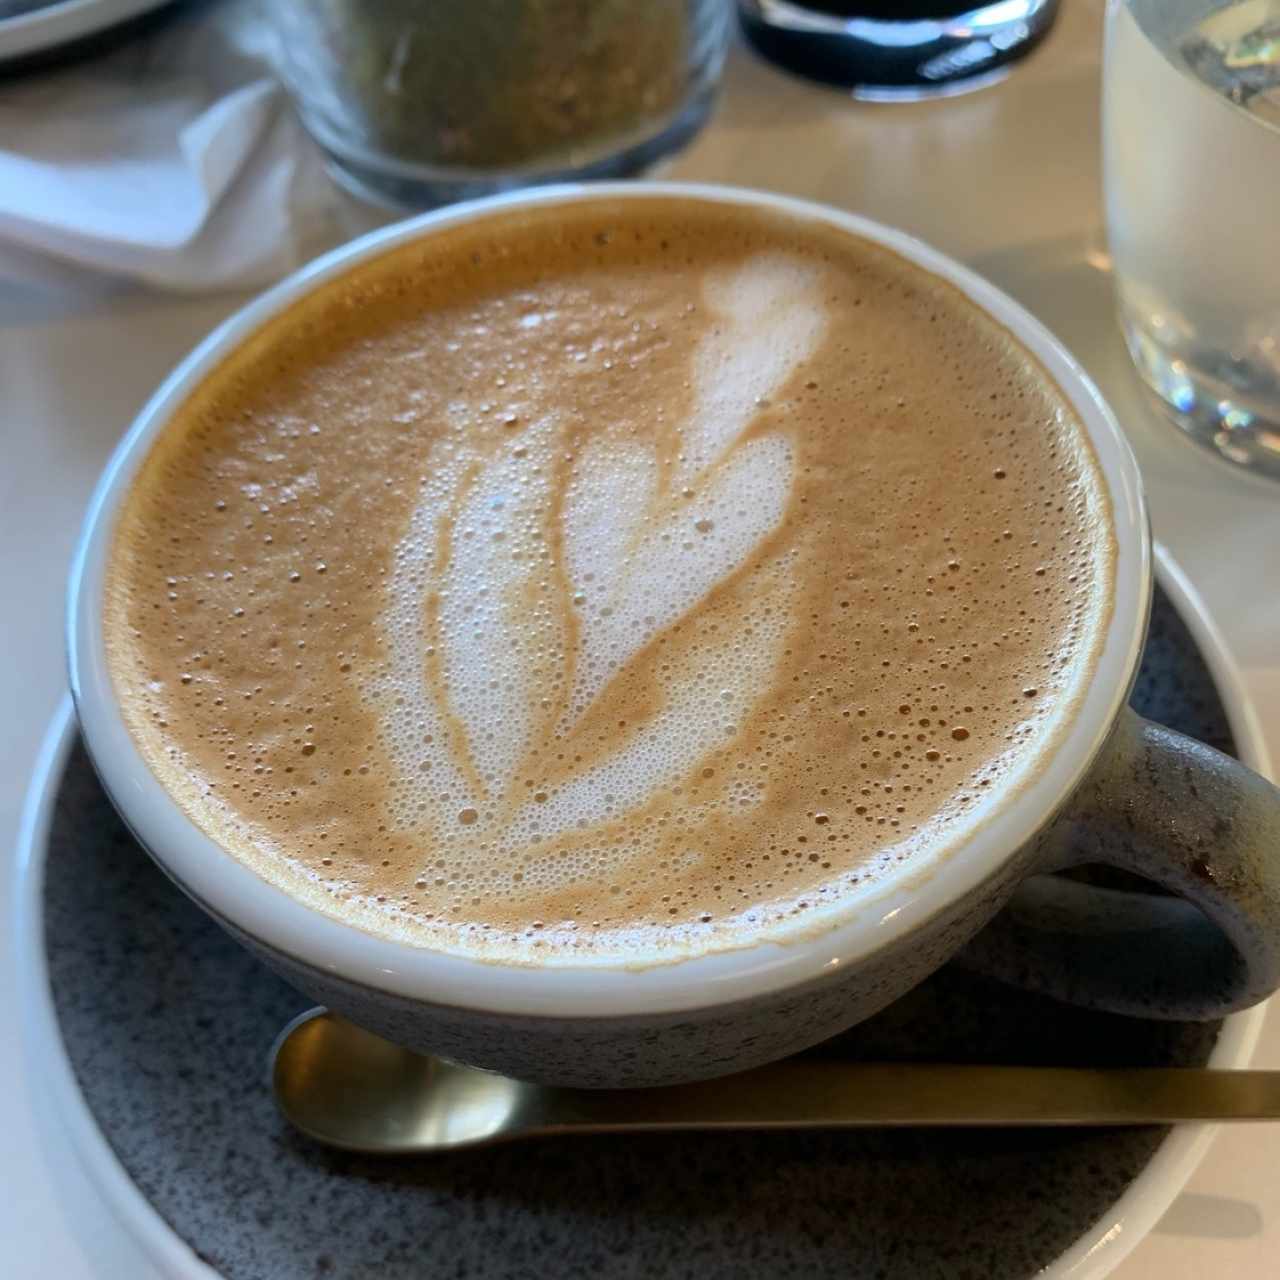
(609, 583)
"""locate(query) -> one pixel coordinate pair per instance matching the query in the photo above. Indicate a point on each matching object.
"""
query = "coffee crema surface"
(609, 583)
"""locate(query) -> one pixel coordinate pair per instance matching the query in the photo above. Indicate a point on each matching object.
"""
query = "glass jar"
(419, 102)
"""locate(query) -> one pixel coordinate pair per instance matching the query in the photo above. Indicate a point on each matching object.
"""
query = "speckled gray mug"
(1117, 790)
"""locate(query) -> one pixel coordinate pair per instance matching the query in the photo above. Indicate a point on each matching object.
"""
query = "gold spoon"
(348, 1088)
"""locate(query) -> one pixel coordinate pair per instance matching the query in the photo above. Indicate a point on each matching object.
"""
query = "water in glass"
(1191, 133)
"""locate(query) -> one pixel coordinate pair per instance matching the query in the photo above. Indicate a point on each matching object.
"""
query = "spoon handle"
(351, 1089)
(814, 1093)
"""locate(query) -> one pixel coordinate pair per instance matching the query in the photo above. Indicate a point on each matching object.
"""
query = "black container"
(884, 50)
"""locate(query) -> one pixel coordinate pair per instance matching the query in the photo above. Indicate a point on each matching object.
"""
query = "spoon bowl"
(349, 1088)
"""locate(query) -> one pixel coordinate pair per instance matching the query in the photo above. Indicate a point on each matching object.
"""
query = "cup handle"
(1194, 821)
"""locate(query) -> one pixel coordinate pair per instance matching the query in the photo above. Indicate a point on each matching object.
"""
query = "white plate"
(63, 21)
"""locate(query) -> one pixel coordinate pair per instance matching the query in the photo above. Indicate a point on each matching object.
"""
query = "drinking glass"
(1191, 154)
(419, 102)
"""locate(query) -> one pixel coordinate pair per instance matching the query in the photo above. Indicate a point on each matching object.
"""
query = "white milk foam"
(644, 540)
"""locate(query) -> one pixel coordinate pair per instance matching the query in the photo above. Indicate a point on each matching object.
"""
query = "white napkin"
(175, 161)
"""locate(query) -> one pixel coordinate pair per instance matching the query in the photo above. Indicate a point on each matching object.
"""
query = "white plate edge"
(44, 1052)
(64, 21)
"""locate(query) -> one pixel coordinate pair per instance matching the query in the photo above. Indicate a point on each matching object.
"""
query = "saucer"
(150, 1029)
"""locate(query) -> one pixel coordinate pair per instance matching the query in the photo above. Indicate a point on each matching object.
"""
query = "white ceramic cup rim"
(893, 905)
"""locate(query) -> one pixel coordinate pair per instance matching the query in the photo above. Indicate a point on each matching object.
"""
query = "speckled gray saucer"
(168, 1024)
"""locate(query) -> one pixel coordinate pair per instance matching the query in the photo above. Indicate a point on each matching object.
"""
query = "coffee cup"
(727, 988)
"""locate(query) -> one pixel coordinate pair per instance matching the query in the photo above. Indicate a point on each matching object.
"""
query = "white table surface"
(1007, 179)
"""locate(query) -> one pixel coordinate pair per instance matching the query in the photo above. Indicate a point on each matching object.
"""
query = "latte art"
(609, 586)
(499, 644)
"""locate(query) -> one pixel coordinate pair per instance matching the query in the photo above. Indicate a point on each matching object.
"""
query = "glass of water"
(1191, 155)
